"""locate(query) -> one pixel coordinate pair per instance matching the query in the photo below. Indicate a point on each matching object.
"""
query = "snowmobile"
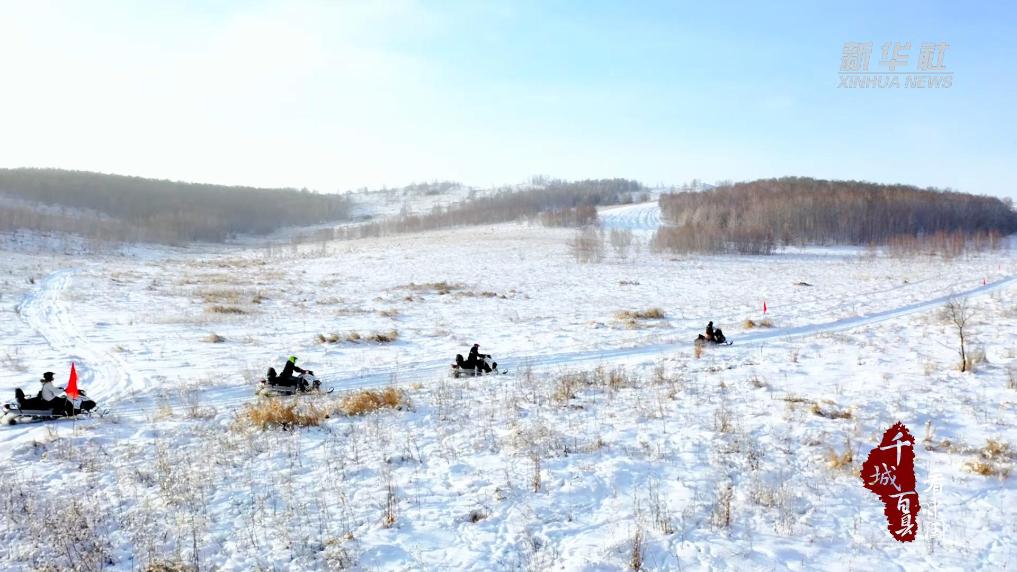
(306, 383)
(35, 409)
(722, 341)
(460, 368)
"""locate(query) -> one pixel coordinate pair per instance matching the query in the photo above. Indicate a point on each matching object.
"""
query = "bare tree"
(753, 217)
(621, 241)
(124, 208)
(959, 314)
(588, 245)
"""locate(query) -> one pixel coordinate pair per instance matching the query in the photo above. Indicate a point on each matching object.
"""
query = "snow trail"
(102, 374)
(428, 371)
(656, 350)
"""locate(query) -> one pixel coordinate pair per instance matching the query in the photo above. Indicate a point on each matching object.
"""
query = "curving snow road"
(657, 350)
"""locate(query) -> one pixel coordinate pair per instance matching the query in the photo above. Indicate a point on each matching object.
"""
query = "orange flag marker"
(72, 384)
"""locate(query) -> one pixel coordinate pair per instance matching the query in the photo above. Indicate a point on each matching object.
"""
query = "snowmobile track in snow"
(102, 373)
(636, 217)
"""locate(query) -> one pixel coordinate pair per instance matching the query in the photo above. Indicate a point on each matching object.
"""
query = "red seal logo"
(889, 472)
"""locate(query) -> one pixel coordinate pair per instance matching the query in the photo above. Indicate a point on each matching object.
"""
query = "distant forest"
(757, 217)
(120, 208)
(551, 202)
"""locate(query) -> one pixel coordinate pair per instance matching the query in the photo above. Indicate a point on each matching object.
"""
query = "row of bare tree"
(758, 216)
(583, 215)
(150, 210)
(571, 202)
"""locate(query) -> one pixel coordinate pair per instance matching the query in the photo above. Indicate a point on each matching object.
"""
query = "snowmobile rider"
(49, 397)
(49, 392)
(271, 377)
(476, 360)
(287, 377)
(713, 335)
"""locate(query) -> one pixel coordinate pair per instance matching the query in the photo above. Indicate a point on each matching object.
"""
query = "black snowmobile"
(37, 409)
(274, 386)
(718, 339)
(483, 365)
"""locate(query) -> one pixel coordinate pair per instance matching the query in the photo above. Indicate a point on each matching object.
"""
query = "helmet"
(48, 376)
(293, 359)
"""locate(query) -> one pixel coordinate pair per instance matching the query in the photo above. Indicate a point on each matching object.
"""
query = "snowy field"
(609, 443)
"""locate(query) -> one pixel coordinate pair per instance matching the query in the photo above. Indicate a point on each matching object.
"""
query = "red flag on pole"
(764, 306)
(72, 384)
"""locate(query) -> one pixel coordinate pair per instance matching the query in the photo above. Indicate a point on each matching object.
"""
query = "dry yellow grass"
(614, 378)
(636, 556)
(568, 384)
(214, 338)
(988, 469)
(648, 314)
(368, 400)
(831, 413)
(219, 309)
(841, 461)
(205, 279)
(748, 324)
(566, 387)
(168, 566)
(332, 338)
(481, 294)
(993, 460)
(355, 337)
(996, 450)
(441, 288)
(384, 337)
(271, 413)
(221, 296)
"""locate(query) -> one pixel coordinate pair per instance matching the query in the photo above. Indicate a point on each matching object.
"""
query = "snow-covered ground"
(711, 462)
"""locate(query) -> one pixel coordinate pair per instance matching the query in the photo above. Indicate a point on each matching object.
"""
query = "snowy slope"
(640, 217)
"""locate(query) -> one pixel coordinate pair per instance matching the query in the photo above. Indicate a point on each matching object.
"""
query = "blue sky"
(340, 95)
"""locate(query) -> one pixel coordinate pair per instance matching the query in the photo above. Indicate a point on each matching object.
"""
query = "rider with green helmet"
(287, 377)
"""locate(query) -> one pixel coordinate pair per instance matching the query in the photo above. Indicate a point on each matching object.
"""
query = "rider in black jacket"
(476, 359)
(287, 377)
